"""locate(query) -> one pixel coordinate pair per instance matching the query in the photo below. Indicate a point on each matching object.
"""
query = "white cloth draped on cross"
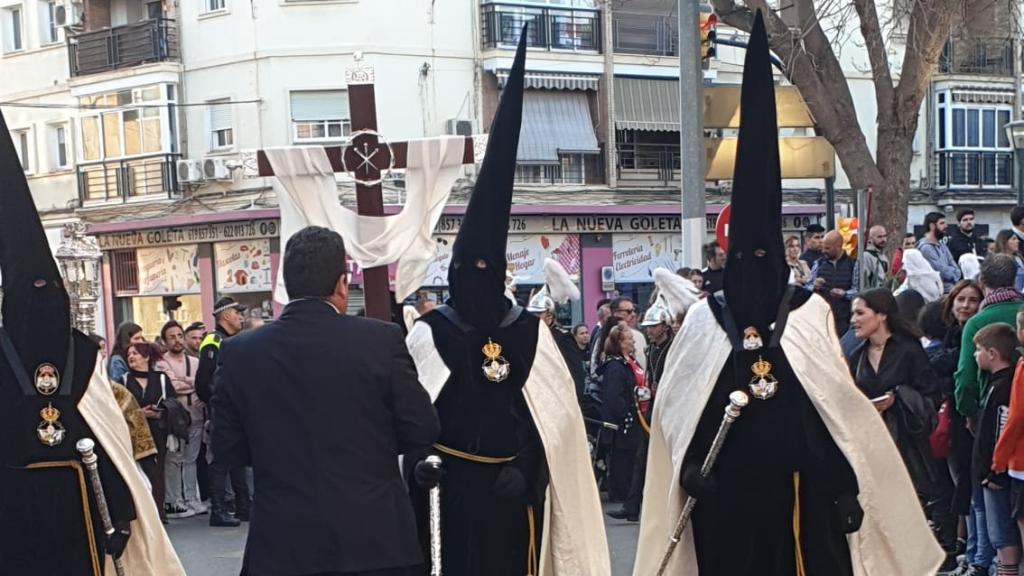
(308, 194)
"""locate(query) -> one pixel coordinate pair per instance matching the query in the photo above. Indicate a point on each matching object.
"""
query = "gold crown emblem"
(761, 367)
(49, 414)
(491, 350)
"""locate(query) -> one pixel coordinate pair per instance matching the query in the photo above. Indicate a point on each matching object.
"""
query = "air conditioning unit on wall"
(459, 127)
(190, 171)
(216, 169)
(68, 13)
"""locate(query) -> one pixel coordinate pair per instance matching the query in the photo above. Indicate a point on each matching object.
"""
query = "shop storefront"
(177, 270)
(166, 269)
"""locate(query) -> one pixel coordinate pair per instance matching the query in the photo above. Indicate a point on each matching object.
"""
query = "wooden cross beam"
(366, 158)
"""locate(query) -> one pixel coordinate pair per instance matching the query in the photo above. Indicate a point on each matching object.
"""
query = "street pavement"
(209, 551)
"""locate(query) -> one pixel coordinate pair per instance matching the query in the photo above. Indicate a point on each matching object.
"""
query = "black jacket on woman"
(151, 396)
(905, 371)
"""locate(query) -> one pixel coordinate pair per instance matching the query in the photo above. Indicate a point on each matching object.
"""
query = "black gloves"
(696, 485)
(119, 539)
(849, 514)
(427, 475)
(510, 483)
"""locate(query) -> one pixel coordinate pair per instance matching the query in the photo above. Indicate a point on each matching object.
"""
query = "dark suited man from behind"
(321, 405)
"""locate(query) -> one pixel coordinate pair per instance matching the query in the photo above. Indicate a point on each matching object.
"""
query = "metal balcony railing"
(652, 163)
(550, 28)
(153, 40)
(645, 34)
(965, 170)
(122, 180)
(977, 56)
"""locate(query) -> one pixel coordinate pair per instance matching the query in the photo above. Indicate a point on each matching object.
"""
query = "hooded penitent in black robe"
(746, 527)
(486, 529)
(49, 521)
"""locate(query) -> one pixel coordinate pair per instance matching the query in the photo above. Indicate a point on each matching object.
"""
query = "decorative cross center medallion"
(368, 158)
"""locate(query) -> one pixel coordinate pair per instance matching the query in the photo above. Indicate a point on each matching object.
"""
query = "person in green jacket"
(1001, 303)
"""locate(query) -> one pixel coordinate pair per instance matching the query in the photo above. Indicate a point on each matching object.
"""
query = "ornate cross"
(369, 158)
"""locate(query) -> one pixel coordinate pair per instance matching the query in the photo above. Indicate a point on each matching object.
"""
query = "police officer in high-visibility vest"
(228, 315)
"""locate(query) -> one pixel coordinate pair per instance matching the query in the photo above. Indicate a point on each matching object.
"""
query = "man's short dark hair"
(814, 229)
(314, 260)
(964, 212)
(195, 326)
(909, 235)
(617, 303)
(168, 326)
(602, 302)
(932, 218)
(998, 271)
(710, 248)
(1016, 215)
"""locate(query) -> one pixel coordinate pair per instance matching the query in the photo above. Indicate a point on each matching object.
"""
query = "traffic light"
(708, 21)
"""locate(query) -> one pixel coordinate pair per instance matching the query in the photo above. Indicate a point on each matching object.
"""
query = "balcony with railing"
(648, 164)
(93, 52)
(567, 29)
(645, 34)
(977, 56)
(128, 179)
(979, 170)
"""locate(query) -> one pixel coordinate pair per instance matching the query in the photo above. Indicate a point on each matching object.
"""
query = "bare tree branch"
(877, 55)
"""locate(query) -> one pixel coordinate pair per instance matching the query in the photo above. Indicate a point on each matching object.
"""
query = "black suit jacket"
(321, 405)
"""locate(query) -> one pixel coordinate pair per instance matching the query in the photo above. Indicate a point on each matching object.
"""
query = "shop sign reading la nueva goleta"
(216, 232)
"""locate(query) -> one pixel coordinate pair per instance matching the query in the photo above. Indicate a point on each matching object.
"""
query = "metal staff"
(435, 521)
(85, 447)
(737, 400)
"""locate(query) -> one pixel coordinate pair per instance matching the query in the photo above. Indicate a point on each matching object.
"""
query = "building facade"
(138, 118)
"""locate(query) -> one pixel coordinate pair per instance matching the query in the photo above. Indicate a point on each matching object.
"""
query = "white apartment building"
(135, 117)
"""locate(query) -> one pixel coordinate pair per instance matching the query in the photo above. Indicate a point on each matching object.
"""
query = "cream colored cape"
(894, 539)
(149, 551)
(573, 542)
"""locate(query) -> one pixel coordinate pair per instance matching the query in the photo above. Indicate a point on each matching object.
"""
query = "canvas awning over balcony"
(651, 104)
(555, 122)
(553, 80)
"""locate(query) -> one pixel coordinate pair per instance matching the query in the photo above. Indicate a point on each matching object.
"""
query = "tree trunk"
(892, 192)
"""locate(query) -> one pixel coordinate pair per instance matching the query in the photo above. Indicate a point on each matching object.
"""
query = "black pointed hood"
(756, 273)
(476, 276)
(36, 309)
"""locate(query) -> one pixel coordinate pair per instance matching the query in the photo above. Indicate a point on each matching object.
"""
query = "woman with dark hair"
(1008, 243)
(150, 386)
(962, 303)
(620, 374)
(128, 333)
(891, 368)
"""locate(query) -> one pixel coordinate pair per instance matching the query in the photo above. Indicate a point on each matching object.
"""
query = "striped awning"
(647, 104)
(555, 122)
(553, 80)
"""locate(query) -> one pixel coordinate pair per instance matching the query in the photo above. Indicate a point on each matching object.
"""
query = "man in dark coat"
(49, 521)
(321, 405)
(963, 238)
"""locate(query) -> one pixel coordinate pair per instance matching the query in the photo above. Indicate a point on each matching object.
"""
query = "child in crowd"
(994, 346)
(1009, 452)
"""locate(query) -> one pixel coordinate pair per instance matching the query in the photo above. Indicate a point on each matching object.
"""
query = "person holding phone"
(150, 386)
(891, 368)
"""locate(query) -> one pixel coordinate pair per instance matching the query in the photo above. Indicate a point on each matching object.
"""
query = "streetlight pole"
(691, 133)
(1015, 134)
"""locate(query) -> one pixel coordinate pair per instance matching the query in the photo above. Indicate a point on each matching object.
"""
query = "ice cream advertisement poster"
(636, 256)
(168, 270)
(243, 266)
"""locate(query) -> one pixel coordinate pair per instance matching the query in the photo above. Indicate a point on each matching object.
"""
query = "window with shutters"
(23, 146)
(222, 133)
(13, 29)
(124, 272)
(320, 116)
